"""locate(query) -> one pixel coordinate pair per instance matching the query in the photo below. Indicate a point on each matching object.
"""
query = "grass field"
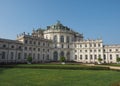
(57, 77)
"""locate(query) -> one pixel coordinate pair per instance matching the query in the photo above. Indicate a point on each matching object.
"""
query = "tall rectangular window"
(25, 55)
(19, 55)
(12, 55)
(67, 39)
(3, 55)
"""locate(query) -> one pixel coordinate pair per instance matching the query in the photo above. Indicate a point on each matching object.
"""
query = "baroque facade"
(57, 40)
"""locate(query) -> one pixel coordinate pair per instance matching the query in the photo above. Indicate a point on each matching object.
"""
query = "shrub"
(29, 59)
(56, 67)
(118, 59)
(99, 59)
(62, 59)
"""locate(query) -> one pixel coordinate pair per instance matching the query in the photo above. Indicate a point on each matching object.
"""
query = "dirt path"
(111, 67)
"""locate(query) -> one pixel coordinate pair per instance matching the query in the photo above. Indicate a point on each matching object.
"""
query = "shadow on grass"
(116, 84)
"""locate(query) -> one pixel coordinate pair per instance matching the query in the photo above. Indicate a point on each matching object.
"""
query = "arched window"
(61, 54)
(67, 39)
(19, 55)
(55, 38)
(3, 55)
(12, 55)
(80, 57)
(75, 57)
(68, 56)
(55, 56)
(62, 39)
(38, 56)
(104, 56)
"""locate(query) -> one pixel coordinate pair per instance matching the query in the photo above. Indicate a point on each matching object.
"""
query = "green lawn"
(49, 77)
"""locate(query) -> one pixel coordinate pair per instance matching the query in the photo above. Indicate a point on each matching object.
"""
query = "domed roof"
(58, 26)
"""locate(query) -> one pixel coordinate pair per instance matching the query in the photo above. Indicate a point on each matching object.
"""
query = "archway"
(61, 54)
(68, 56)
(55, 56)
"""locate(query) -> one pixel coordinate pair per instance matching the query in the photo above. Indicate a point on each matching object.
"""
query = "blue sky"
(94, 18)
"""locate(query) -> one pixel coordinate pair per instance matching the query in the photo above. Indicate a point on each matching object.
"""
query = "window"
(38, 49)
(20, 47)
(81, 57)
(94, 50)
(104, 50)
(38, 56)
(34, 49)
(90, 45)
(43, 56)
(30, 42)
(4, 46)
(80, 50)
(48, 50)
(80, 45)
(55, 45)
(34, 42)
(98, 45)
(99, 56)
(12, 46)
(25, 55)
(75, 45)
(68, 39)
(110, 56)
(26, 41)
(33, 55)
(62, 46)
(117, 55)
(116, 49)
(43, 50)
(91, 57)
(90, 50)
(48, 57)
(25, 48)
(86, 57)
(68, 46)
(75, 50)
(110, 50)
(19, 55)
(30, 54)
(12, 55)
(46, 37)
(95, 56)
(3, 55)
(99, 50)
(43, 44)
(62, 39)
(75, 57)
(85, 50)
(62, 53)
(104, 57)
(30, 48)
(55, 38)
(38, 43)
(85, 45)
(94, 45)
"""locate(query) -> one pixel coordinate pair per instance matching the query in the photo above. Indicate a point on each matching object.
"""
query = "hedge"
(57, 67)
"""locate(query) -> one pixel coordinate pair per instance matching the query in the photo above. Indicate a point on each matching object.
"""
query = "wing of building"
(45, 45)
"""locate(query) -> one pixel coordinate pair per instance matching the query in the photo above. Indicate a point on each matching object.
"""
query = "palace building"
(45, 45)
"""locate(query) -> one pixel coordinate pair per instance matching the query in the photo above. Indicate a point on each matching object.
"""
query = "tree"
(29, 59)
(62, 59)
(118, 59)
(99, 59)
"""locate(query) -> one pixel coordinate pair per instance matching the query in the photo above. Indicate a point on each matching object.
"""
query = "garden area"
(58, 75)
